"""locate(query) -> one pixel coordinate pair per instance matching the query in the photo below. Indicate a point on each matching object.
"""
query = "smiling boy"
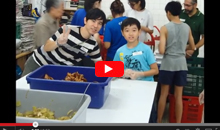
(70, 45)
(138, 58)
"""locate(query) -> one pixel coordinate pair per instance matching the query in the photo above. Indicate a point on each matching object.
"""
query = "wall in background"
(155, 6)
(157, 9)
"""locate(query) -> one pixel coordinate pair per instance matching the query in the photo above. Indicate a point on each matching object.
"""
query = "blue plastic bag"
(18, 72)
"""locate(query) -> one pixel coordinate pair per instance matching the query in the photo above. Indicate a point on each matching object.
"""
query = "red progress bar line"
(16, 124)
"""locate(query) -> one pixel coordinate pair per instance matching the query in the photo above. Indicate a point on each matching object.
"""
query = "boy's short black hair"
(96, 13)
(174, 7)
(130, 21)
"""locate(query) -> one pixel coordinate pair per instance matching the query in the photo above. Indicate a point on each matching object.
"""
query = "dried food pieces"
(70, 77)
(43, 113)
(46, 76)
(75, 77)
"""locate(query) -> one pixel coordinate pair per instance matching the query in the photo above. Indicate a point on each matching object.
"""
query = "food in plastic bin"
(46, 76)
(70, 77)
(43, 113)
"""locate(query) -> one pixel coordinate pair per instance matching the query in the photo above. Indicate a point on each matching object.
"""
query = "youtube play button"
(109, 69)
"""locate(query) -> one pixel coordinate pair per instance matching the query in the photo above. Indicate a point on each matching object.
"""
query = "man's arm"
(198, 45)
(51, 43)
(191, 47)
(153, 70)
(201, 30)
(201, 42)
(162, 43)
(191, 41)
(107, 45)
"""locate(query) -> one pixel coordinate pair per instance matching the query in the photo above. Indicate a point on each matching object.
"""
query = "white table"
(129, 101)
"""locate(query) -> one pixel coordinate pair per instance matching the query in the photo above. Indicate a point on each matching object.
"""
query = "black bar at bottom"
(7, 128)
(124, 127)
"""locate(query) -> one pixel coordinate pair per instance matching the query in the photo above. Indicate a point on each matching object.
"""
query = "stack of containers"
(26, 32)
(19, 6)
(192, 110)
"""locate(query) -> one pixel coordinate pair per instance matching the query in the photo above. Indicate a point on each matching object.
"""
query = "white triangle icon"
(107, 68)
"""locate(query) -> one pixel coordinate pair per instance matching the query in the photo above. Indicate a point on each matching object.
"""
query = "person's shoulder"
(201, 15)
(186, 25)
(115, 21)
(42, 22)
(110, 22)
(80, 10)
(147, 11)
(74, 28)
(122, 48)
(129, 11)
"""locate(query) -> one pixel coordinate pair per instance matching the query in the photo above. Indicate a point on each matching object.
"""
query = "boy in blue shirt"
(138, 58)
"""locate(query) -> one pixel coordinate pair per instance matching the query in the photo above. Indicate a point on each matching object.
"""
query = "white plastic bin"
(59, 102)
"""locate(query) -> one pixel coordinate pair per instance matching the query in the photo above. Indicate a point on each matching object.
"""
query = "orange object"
(151, 42)
(103, 50)
(192, 110)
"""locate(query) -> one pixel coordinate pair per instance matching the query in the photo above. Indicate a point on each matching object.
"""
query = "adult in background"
(113, 38)
(195, 19)
(48, 24)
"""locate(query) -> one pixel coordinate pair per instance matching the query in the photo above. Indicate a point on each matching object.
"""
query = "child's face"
(131, 33)
(93, 25)
(97, 4)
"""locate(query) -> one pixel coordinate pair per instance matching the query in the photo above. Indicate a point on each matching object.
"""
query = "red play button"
(109, 69)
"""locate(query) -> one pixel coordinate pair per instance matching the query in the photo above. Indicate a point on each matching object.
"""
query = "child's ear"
(122, 33)
(85, 20)
(139, 32)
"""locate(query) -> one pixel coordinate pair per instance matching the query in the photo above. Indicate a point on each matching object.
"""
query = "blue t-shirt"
(114, 36)
(138, 58)
(78, 19)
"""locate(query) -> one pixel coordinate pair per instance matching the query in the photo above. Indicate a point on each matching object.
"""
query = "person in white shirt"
(143, 15)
